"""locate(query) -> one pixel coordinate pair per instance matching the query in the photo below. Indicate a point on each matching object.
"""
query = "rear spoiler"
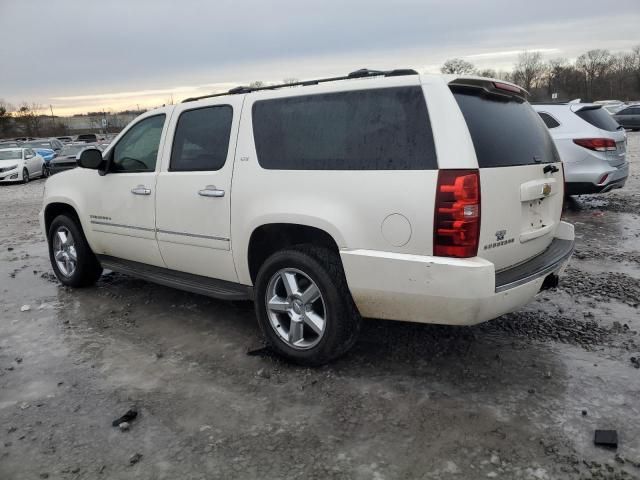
(491, 86)
(582, 108)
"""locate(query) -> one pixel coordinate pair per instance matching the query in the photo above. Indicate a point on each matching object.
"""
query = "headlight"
(8, 169)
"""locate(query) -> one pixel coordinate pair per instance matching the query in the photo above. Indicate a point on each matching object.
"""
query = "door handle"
(141, 190)
(211, 191)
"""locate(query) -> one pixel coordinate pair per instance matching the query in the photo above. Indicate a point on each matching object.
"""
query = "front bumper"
(445, 290)
(10, 176)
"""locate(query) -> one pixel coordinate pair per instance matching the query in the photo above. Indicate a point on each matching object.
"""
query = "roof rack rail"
(362, 73)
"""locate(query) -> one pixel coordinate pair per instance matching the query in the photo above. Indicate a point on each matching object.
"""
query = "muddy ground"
(518, 397)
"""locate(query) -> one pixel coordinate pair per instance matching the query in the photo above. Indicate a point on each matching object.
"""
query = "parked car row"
(20, 162)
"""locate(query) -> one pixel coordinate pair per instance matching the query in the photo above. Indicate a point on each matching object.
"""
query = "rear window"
(505, 131)
(599, 118)
(377, 129)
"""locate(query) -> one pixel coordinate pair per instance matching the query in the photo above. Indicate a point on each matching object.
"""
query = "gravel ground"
(517, 397)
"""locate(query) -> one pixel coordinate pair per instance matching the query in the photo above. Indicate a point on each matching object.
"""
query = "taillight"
(507, 87)
(598, 144)
(456, 225)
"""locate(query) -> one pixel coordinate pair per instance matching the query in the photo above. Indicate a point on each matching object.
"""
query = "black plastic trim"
(211, 287)
(548, 261)
(362, 73)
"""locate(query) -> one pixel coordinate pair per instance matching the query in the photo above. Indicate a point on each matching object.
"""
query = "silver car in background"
(592, 146)
(629, 117)
(67, 159)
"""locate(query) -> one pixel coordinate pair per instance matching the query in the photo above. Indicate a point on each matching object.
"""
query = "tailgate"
(521, 208)
(521, 180)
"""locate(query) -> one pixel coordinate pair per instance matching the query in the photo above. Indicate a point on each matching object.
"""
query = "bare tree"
(595, 64)
(257, 84)
(529, 70)
(458, 66)
(5, 117)
(488, 72)
(289, 81)
(28, 116)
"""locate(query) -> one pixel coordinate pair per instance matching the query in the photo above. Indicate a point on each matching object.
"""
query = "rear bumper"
(445, 290)
(588, 183)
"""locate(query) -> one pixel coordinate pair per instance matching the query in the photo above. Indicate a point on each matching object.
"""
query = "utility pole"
(53, 121)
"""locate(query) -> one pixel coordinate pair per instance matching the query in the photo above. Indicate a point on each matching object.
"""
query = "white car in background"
(20, 165)
(591, 144)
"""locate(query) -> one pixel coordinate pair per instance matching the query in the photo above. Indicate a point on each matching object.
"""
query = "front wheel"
(25, 175)
(72, 260)
(304, 306)
(45, 171)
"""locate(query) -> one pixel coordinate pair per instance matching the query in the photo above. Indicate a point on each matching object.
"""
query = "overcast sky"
(83, 55)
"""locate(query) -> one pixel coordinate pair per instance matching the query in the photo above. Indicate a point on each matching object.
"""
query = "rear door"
(193, 210)
(521, 180)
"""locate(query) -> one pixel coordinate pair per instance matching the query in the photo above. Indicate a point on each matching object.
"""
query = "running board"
(211, 287)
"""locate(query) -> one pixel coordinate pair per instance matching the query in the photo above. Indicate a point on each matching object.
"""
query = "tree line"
(595, 75)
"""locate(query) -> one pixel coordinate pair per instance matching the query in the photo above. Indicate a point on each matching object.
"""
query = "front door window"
(137, 150)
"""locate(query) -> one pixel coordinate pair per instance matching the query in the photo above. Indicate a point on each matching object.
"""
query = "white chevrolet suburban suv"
(391, 195)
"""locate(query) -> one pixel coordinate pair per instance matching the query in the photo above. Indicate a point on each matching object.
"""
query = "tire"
(87, 269)
(341, 321)
(25, 175)
(45, 171)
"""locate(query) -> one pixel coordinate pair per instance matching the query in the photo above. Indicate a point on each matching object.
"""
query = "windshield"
(73, 149)
(10, 154)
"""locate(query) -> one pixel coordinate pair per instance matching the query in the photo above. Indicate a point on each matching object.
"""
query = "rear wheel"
(25, 175)
(304, 307)
(72, 260)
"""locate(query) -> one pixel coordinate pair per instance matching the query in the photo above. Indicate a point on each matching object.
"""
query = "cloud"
(511, 53)
(84, 53)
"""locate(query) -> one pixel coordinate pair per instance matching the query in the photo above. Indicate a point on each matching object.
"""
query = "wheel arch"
(53, 209)
(268, 238)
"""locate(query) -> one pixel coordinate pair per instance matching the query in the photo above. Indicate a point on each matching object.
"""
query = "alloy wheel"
(64, 251)
(295, 308)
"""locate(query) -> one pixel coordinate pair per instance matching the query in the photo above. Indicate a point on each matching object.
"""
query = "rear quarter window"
(505, 130)
(599, 118)
(548, 120)
(376, 129)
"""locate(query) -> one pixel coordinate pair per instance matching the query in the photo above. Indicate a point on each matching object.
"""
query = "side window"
(548, 120)
(137, 150)
(376, 129)
(201, 140)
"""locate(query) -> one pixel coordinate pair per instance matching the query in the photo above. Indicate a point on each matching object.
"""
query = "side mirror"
(90, 158)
